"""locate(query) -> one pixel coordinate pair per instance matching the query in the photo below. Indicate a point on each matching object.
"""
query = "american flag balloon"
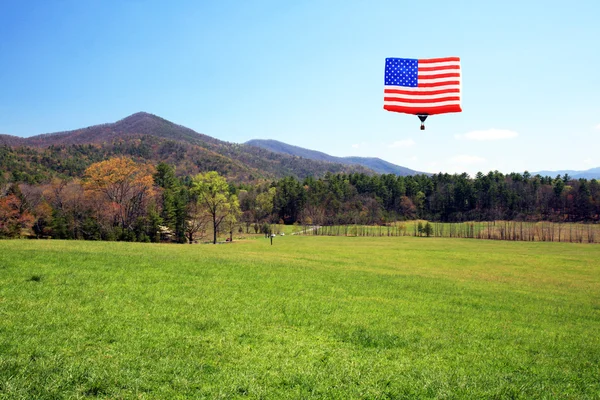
(422, 87)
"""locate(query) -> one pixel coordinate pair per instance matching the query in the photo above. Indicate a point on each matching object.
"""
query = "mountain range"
(376, 164)
(592, 173)
(147, 137)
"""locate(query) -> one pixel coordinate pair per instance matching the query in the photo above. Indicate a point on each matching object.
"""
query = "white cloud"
(356, 146)
(598, 127)
(467, 160)
(490, 134)
(402, 143)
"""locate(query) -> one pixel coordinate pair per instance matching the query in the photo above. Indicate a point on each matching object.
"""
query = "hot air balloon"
(422, 87)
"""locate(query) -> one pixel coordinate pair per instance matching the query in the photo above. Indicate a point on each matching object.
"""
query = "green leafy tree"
(428, 229)
(264, 204)
(165, 178)
(213, 195)
(289, 199)
(420, 202)
(182, 201)
(231, 219)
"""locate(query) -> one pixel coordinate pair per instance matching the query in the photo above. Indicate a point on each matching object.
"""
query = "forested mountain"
(376, 164)
(137, 124)
(146, 137)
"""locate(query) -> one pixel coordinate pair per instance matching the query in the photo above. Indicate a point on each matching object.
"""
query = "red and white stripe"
(438, 90)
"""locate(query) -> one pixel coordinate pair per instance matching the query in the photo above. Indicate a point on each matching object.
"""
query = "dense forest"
(379, 199)
(121, 199)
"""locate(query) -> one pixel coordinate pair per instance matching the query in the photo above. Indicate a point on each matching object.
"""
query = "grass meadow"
(306, 317)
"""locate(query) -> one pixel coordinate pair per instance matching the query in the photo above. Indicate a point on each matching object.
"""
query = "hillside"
(149, 138)
(8, 140)
(376, 164)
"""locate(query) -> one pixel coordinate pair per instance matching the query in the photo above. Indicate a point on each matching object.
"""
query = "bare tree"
(197, 222)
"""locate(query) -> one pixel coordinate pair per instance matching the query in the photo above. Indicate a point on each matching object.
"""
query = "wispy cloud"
(489, 134)
(402, 143)
(356, 146)
(598, 127)
(467, 160)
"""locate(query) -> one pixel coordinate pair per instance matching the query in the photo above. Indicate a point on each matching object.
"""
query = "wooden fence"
(492, 230)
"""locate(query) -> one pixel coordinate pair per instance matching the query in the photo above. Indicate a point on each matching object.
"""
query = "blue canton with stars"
(401, 71)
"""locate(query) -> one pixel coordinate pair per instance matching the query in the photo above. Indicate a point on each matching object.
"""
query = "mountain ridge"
(137, 123)
(149, 138)
(592, 173)
(143, 133)
(376, 164)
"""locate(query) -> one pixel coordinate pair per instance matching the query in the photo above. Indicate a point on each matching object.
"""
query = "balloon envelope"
(422, 86)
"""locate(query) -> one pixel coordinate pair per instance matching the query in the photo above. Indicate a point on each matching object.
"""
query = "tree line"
(119, 199)
(379, 199)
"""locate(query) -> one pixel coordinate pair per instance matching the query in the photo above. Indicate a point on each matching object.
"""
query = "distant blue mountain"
(376, 164)
(592, 173)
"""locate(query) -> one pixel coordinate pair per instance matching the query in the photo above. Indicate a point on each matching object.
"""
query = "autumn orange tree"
(12, 219)
(124, 185)
(15, 218)
(33, 200)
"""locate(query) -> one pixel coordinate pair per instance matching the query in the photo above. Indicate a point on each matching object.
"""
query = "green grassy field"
(308, 317)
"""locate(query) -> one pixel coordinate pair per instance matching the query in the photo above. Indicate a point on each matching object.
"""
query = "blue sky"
(310, 73)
